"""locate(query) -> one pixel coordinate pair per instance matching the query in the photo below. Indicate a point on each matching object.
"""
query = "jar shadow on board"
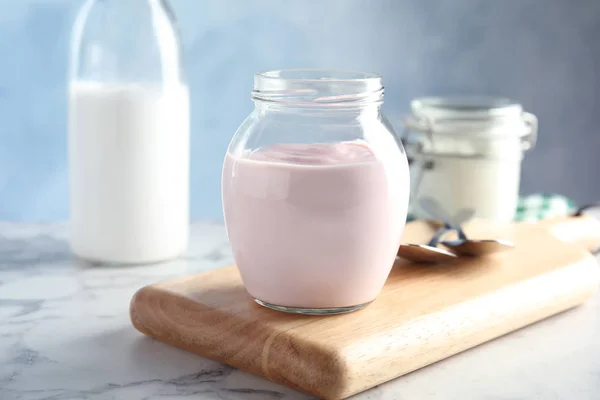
(466, 152)
(315, 191)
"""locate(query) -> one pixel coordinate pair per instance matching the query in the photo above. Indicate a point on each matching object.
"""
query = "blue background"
(543, 53)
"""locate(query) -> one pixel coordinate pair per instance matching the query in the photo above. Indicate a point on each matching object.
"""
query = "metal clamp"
(530, 139)
(423, 125)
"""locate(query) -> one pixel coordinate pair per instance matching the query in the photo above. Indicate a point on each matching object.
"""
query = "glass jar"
(315, 191)
(466, 152)
(128, 133)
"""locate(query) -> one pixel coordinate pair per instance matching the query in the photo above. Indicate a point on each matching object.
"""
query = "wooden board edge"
(532, 300)
(143, 315)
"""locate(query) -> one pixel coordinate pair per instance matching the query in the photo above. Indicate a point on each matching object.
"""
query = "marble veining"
(65, 334)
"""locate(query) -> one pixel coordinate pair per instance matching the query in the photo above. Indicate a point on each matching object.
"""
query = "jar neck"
(124, 5)
(357, 112)
(318, 90)
(131, 2)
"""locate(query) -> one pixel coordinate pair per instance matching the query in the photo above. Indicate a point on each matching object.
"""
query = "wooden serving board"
(424, 314)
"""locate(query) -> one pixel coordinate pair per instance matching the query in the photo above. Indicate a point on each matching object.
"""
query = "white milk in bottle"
(129, 158)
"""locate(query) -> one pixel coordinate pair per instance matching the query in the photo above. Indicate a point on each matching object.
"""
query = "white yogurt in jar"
(473, 148)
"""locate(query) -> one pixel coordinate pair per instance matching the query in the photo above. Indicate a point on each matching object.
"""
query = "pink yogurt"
(314, 226)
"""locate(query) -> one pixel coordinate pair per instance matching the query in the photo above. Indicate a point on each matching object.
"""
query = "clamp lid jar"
(466, 152)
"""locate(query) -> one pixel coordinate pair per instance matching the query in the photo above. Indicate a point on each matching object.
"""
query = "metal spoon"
(478, 247)
(456, 223)
(426, 253)
(464, 245)
(423, 253)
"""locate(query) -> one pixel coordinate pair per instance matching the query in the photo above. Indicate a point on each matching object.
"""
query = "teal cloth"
(540, 206)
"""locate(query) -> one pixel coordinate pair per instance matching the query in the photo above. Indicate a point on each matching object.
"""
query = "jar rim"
(318, 75)
(318, 88)
(472, 117)
(466, 107)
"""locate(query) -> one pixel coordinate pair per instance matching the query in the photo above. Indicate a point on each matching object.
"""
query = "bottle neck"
(126, 41)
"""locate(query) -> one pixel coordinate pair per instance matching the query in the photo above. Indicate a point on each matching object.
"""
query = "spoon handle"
(435, 239)
(460, 218)
(435, 210)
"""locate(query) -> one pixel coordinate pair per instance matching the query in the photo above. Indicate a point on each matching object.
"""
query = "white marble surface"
(65, 334)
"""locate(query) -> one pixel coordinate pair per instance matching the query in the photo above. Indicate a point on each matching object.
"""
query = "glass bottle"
(315, 191)
(128, 133)
(466, 152)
